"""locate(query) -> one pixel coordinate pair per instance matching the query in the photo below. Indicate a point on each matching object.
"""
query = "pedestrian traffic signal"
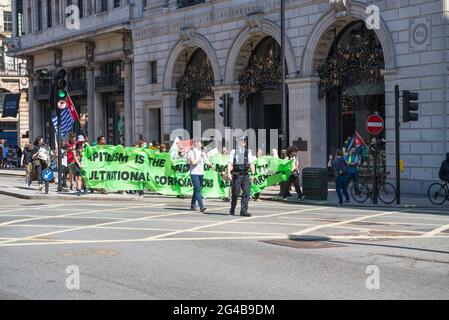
(410, 104)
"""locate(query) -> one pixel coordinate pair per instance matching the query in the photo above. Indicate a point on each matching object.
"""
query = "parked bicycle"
(386, 191)
(438, 193)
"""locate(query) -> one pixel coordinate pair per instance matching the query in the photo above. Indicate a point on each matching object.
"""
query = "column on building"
(90, 101)
(55, 12)
(307, 120)
(98, 108)
(44, 14)
(172, 116)
(128, 103)
(14, 18)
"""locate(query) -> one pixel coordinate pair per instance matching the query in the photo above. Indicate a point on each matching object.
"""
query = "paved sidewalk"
(12, 184)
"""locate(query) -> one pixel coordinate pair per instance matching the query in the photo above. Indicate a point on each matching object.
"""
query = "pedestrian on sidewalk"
(340, 168)
(78, 155)
(353, 161)
(444, 169)
(27, 162)
(239, 165)
(41, 159)
(292, 152)
(5, 156)
(196, 160)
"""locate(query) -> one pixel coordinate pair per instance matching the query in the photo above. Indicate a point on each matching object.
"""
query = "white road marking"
(228, 222)
(311, 229)
(61, 216)
(436, 231)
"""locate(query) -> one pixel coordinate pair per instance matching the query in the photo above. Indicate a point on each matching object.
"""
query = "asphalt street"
(157, 249)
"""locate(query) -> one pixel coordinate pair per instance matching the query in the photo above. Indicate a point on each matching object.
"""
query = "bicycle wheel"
(387, 193)
(362, 196)
(437, 193)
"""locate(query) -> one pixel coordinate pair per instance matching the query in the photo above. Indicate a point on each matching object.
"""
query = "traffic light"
(410, 104)
(227, 120)
(222, 106)
(61, 84)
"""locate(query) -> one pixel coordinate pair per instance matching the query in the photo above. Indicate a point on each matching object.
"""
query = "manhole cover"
(299, 244)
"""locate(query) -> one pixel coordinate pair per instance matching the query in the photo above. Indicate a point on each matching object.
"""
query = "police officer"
(240, 163)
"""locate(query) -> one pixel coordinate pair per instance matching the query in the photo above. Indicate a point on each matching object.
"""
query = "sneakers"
(41, 187)
(203, 210)
(347, 201)
(231, 213)
(340, 204)
(245, 214)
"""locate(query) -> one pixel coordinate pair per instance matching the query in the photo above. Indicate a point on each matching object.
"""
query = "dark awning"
(10, 105)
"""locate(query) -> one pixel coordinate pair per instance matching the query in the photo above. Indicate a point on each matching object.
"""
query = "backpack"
(341, 167)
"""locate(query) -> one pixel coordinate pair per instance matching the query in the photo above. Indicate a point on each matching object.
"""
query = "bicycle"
(438, 193)
(386, 191)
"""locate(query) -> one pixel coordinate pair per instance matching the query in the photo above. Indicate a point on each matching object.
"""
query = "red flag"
(358, 140)
(72, 109)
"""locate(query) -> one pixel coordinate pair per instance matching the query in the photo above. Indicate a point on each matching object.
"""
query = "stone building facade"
(180, 57)
(13, 81)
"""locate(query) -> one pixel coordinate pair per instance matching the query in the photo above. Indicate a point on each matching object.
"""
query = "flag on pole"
(68, 117)
(355, 141)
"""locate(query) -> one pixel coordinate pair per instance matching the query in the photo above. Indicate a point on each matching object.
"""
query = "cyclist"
(444, 169)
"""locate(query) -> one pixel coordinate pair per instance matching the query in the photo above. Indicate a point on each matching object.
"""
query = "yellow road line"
(436, 231)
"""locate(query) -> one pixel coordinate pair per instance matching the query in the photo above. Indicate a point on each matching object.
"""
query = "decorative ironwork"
(188, 3)
(264, 70)
(197, 80)
(359, 58)
(109, 82)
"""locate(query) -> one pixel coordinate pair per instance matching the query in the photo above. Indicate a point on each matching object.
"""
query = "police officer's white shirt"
(197, 169)
(242, 153)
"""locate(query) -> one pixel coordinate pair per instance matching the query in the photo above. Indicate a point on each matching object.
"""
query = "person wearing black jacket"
(444, 169)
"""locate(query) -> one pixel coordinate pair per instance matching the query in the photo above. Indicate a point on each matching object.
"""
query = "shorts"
(76, 170)
(29, 168)
(70, 167)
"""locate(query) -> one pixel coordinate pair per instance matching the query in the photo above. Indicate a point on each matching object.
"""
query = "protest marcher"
(65, 166)
(224, 175)
(353, 161)
(274, 153)
(162, 148)
(294, 177)
(340, 169)
(71, 147)
(258, 155)
(41, 159)
(240, 163)
(196, 159)
(27, 162)
(443, 174)
(78, 155)
(282, 184)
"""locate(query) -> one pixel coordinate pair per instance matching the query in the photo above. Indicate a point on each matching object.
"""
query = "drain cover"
(298, 244)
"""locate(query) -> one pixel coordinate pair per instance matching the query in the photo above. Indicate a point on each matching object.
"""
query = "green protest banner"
(120, 168)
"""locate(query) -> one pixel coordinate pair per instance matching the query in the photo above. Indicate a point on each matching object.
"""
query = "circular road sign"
(375, 124)
(62, 104)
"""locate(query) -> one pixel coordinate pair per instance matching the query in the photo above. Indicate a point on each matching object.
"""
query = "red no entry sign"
(375, 124)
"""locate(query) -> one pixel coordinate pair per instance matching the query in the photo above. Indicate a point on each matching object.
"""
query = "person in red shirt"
(71, 147)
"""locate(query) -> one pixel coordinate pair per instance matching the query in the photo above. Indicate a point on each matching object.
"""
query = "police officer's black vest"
(241, 167)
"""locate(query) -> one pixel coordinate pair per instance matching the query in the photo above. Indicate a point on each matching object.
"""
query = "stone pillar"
(172, 117)
(90, 102)
(307, 116)
(44, 14)
(31, 106)
(14, 18)
(128, 103)
(99, 116)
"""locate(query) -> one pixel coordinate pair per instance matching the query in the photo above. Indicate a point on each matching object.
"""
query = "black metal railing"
(188, 3)
(112, 81)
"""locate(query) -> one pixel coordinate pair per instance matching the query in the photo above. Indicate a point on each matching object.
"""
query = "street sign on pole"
(375, 124)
